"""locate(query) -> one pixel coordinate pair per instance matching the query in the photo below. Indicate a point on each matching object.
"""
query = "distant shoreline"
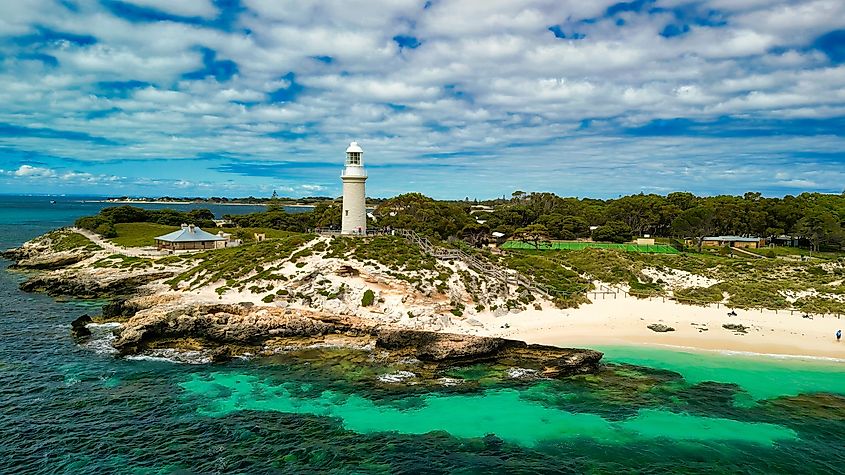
(153, 202)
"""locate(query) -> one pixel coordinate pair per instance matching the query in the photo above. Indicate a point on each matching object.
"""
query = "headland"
(300, 289)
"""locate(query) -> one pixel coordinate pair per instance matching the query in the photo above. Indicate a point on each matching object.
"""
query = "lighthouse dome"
(354, 147)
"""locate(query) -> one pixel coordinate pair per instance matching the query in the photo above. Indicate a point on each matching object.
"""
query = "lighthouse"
(354, 218)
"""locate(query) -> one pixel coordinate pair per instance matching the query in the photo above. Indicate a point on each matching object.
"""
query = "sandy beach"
(625, 320)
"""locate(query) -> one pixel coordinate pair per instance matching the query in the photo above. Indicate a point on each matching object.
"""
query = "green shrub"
(106, 230)
(368, 298)
(699, 295)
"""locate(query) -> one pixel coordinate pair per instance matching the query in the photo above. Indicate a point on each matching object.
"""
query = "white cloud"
(488, 82)
(30, 171)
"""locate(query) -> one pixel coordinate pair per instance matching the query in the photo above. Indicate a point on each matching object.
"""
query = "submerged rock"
(397, 377)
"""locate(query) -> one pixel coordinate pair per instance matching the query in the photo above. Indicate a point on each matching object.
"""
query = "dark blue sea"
(79, 409)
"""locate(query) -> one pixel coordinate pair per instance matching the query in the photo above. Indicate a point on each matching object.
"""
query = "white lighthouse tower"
(354, 196)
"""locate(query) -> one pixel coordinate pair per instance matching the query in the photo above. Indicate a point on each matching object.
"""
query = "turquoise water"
(68, 408)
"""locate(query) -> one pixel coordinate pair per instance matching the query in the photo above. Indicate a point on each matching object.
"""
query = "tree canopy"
(817, 220)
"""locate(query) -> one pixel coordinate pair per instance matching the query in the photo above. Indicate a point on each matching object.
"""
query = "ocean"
(79, 409)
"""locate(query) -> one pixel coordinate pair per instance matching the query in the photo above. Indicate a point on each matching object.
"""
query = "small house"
(734, 241)
(190, 237)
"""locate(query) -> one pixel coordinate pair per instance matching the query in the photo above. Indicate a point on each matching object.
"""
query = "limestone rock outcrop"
(105, 285)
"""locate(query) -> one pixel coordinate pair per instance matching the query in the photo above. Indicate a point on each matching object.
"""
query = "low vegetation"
(63, 240)
(233, 264)
(748, 283)
(699, 295)
(390, 251)
(119, 261)
(566, 285)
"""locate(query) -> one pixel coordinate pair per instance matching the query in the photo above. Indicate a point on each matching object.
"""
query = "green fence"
(575, 246)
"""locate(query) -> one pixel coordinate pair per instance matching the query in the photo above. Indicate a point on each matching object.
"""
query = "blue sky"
(450, 98)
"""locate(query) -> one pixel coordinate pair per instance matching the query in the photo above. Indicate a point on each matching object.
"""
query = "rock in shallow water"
(78, 328)
(454, 348)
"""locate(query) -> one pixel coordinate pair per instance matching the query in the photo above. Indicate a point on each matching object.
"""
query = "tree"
(197, 215)
(327, 215)
(422, 214)
(696, 223)
(640, 212)
(682, 200)
(534, 234)
(613, 231)
(475, 234)
(819, 226)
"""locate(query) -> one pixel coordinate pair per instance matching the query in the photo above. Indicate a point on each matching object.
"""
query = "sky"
(453, 99)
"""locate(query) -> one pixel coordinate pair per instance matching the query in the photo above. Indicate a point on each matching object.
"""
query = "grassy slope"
(67, 241)
(750, 283)
(139, 234)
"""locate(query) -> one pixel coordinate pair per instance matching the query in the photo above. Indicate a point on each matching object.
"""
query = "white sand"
(624, 320)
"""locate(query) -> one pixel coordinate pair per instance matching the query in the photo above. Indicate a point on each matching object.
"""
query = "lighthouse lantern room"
(354, 217)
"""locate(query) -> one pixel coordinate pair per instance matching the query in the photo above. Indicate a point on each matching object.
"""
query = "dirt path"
(113, 248)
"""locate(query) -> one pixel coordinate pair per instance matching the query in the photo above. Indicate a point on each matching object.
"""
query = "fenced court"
(577, 246)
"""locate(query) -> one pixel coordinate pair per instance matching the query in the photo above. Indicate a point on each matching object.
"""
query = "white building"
(354, 218)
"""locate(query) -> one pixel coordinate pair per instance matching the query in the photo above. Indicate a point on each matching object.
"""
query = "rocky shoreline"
(152, 319)
(226, 331)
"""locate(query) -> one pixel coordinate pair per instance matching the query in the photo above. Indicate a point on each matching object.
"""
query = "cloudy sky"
(450, 98)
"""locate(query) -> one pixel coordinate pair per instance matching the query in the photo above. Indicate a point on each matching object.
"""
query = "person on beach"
(838, 335)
